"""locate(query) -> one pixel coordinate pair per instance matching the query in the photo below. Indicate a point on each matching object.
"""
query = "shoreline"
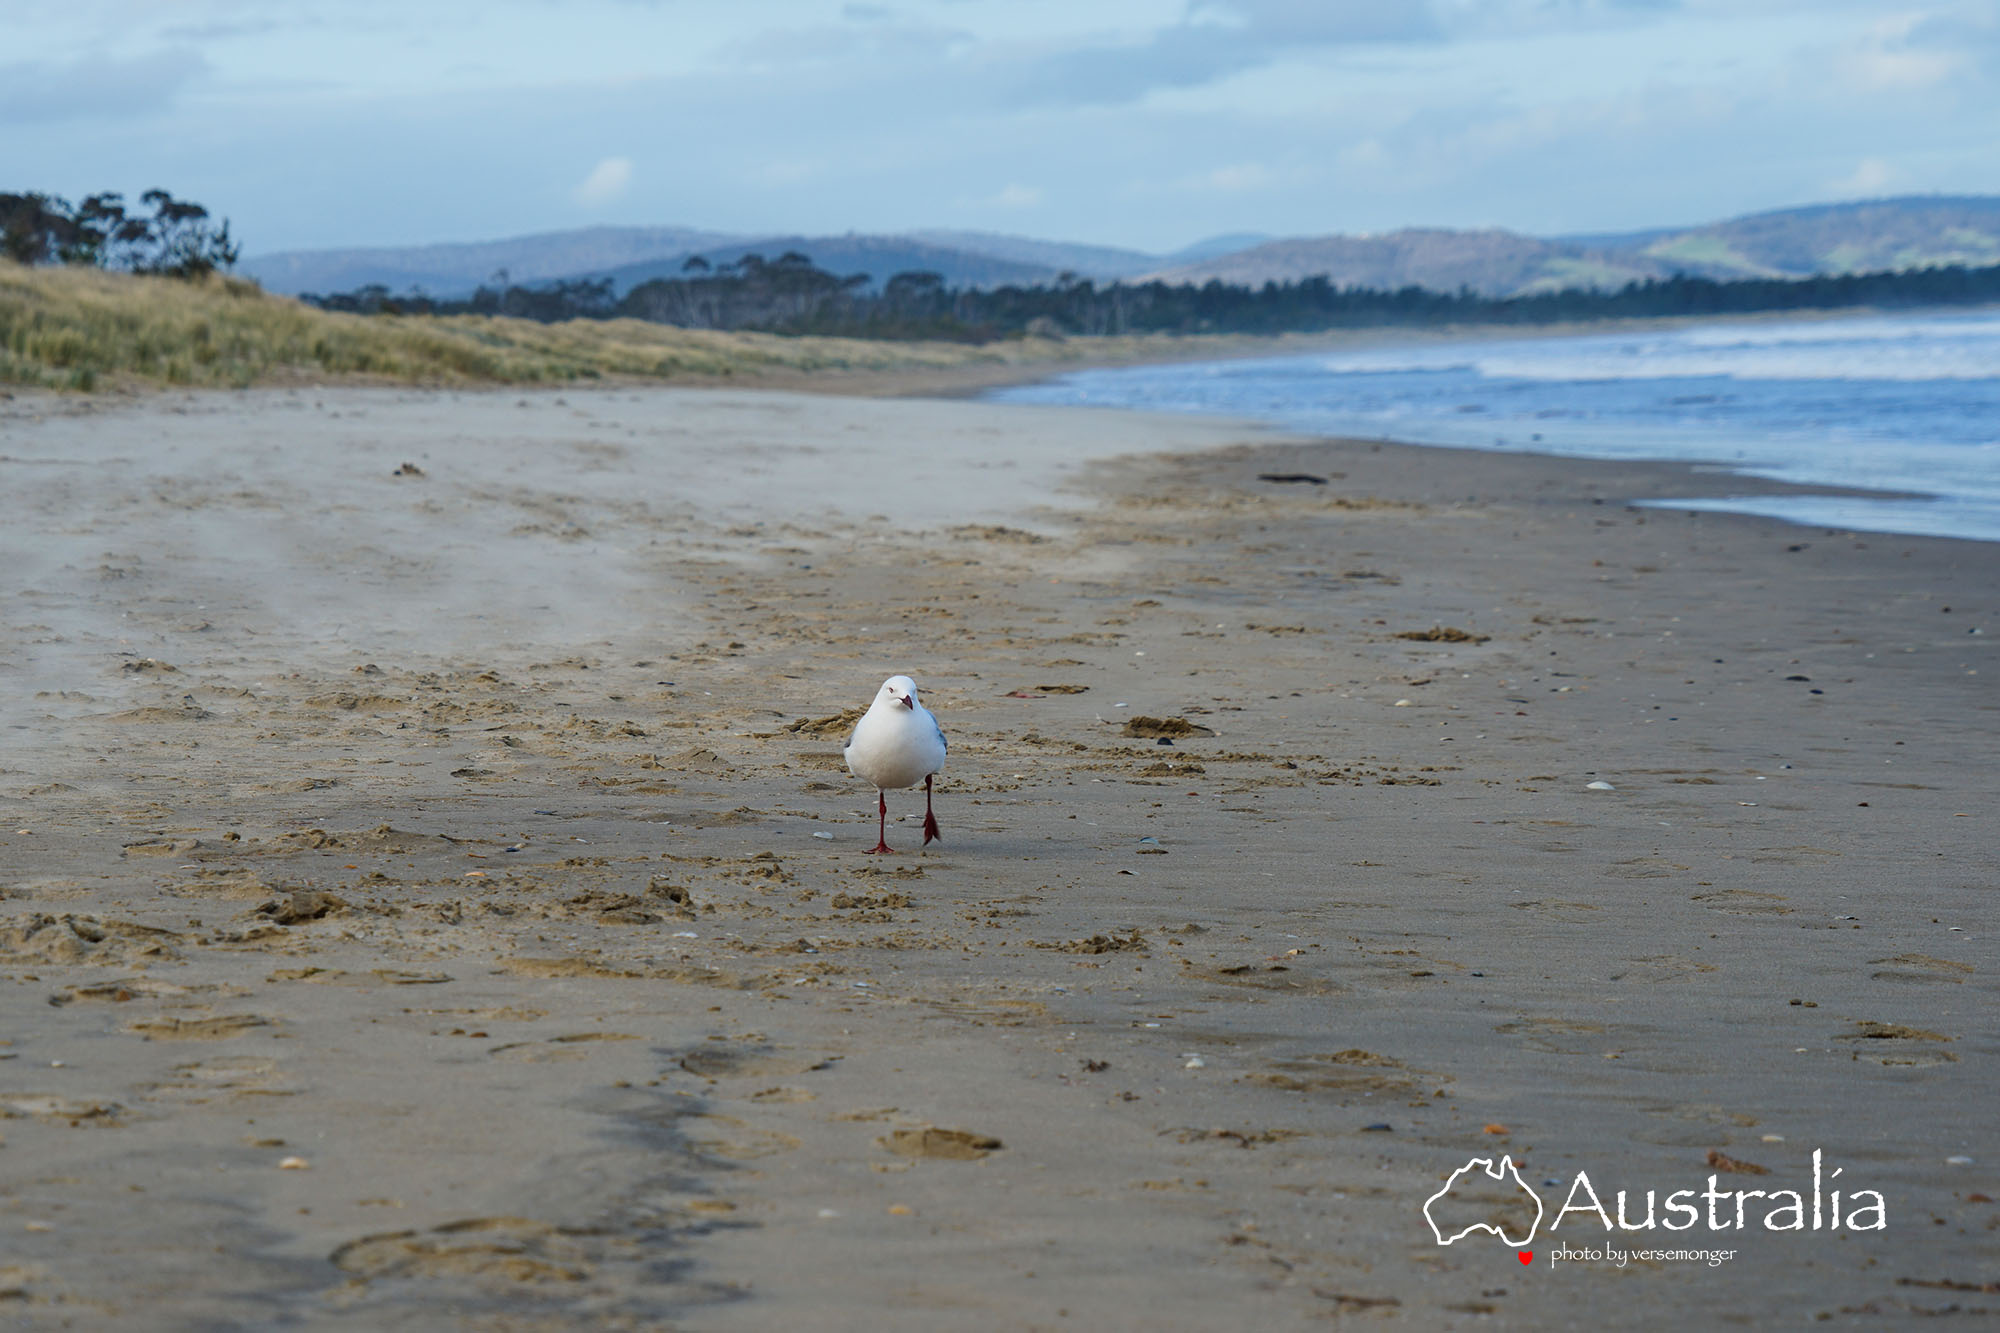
(1399, 336)
(1903, 499)
(1017, 365)
(598, 1026)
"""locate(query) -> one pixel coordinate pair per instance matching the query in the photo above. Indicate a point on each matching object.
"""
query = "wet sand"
(431, 896)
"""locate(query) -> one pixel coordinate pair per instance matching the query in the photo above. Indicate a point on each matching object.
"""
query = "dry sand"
(433, 898)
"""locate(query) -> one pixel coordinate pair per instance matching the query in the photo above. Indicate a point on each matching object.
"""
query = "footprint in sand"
(121, 991)
(39, 937)
(161, 847)
(723, 1060)
(200, 1081)
(1645, 867)
(60, 1110)
(1658, 968)
(1554, 1036)
(220, 1028)
(505, 1249)
(1691, 1126)
(1341, 1073)
(1572, 913)
(727, 1137)
(576, 1046)
(1743, 902)
(1919, 967)
(950, 1145)
(1897, 1044)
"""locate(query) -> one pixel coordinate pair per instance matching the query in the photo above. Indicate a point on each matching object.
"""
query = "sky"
(1148, 124)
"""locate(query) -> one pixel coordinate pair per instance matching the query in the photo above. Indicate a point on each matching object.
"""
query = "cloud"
(1013, 197)
(1234, 178)
(1111, 75)
(1134, 121)
(861, 41)
(1017, 196)
(607, 181)
(1329, 22)
(1871, 177)
(1214, 42)
(1219, 38)
(225, 29)
(1279, 23)
(1495, 18)
(39, 92)
(1898, 53)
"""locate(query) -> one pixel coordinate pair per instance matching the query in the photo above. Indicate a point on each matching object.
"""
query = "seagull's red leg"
(930, 820)
(882, 824)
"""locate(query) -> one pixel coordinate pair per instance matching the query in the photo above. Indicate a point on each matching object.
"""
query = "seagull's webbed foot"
(881, 848)
(931, 833)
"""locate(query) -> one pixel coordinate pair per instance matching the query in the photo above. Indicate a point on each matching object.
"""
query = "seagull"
(896, 742)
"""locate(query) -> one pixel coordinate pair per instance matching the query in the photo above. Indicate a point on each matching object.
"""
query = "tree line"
(166, 235)
(790, 294)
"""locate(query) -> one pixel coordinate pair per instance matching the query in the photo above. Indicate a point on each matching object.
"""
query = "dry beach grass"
(86, 330)
(74, 328)
(81, 329)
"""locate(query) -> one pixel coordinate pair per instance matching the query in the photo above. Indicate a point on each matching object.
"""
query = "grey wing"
(940, 735)
(848, 744)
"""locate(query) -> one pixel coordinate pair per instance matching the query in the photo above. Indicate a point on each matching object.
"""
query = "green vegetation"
(82, 328)
(1707, 249)
(791, 295)
(1583, 271)
(177, 240)
(92, 296)
(1971, 246)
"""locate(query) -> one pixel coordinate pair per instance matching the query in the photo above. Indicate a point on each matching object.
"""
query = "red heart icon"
(1527, 1256)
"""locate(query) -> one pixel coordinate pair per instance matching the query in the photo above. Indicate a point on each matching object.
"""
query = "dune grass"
(85, 329)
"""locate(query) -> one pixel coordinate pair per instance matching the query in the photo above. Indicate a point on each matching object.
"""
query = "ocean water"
(1907, 404)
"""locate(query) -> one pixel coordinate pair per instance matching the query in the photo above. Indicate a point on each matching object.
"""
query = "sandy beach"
(431, 896)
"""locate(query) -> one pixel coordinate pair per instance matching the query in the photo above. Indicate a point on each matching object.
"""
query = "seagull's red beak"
(908, 702)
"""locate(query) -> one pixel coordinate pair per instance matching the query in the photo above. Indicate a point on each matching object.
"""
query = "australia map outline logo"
(1500, 1172)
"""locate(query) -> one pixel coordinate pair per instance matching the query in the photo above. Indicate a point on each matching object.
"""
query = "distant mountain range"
(1919, 231)
(1886, 234)
(1912, 232)
(632, 255)
(456, 269)
(1491, 262)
